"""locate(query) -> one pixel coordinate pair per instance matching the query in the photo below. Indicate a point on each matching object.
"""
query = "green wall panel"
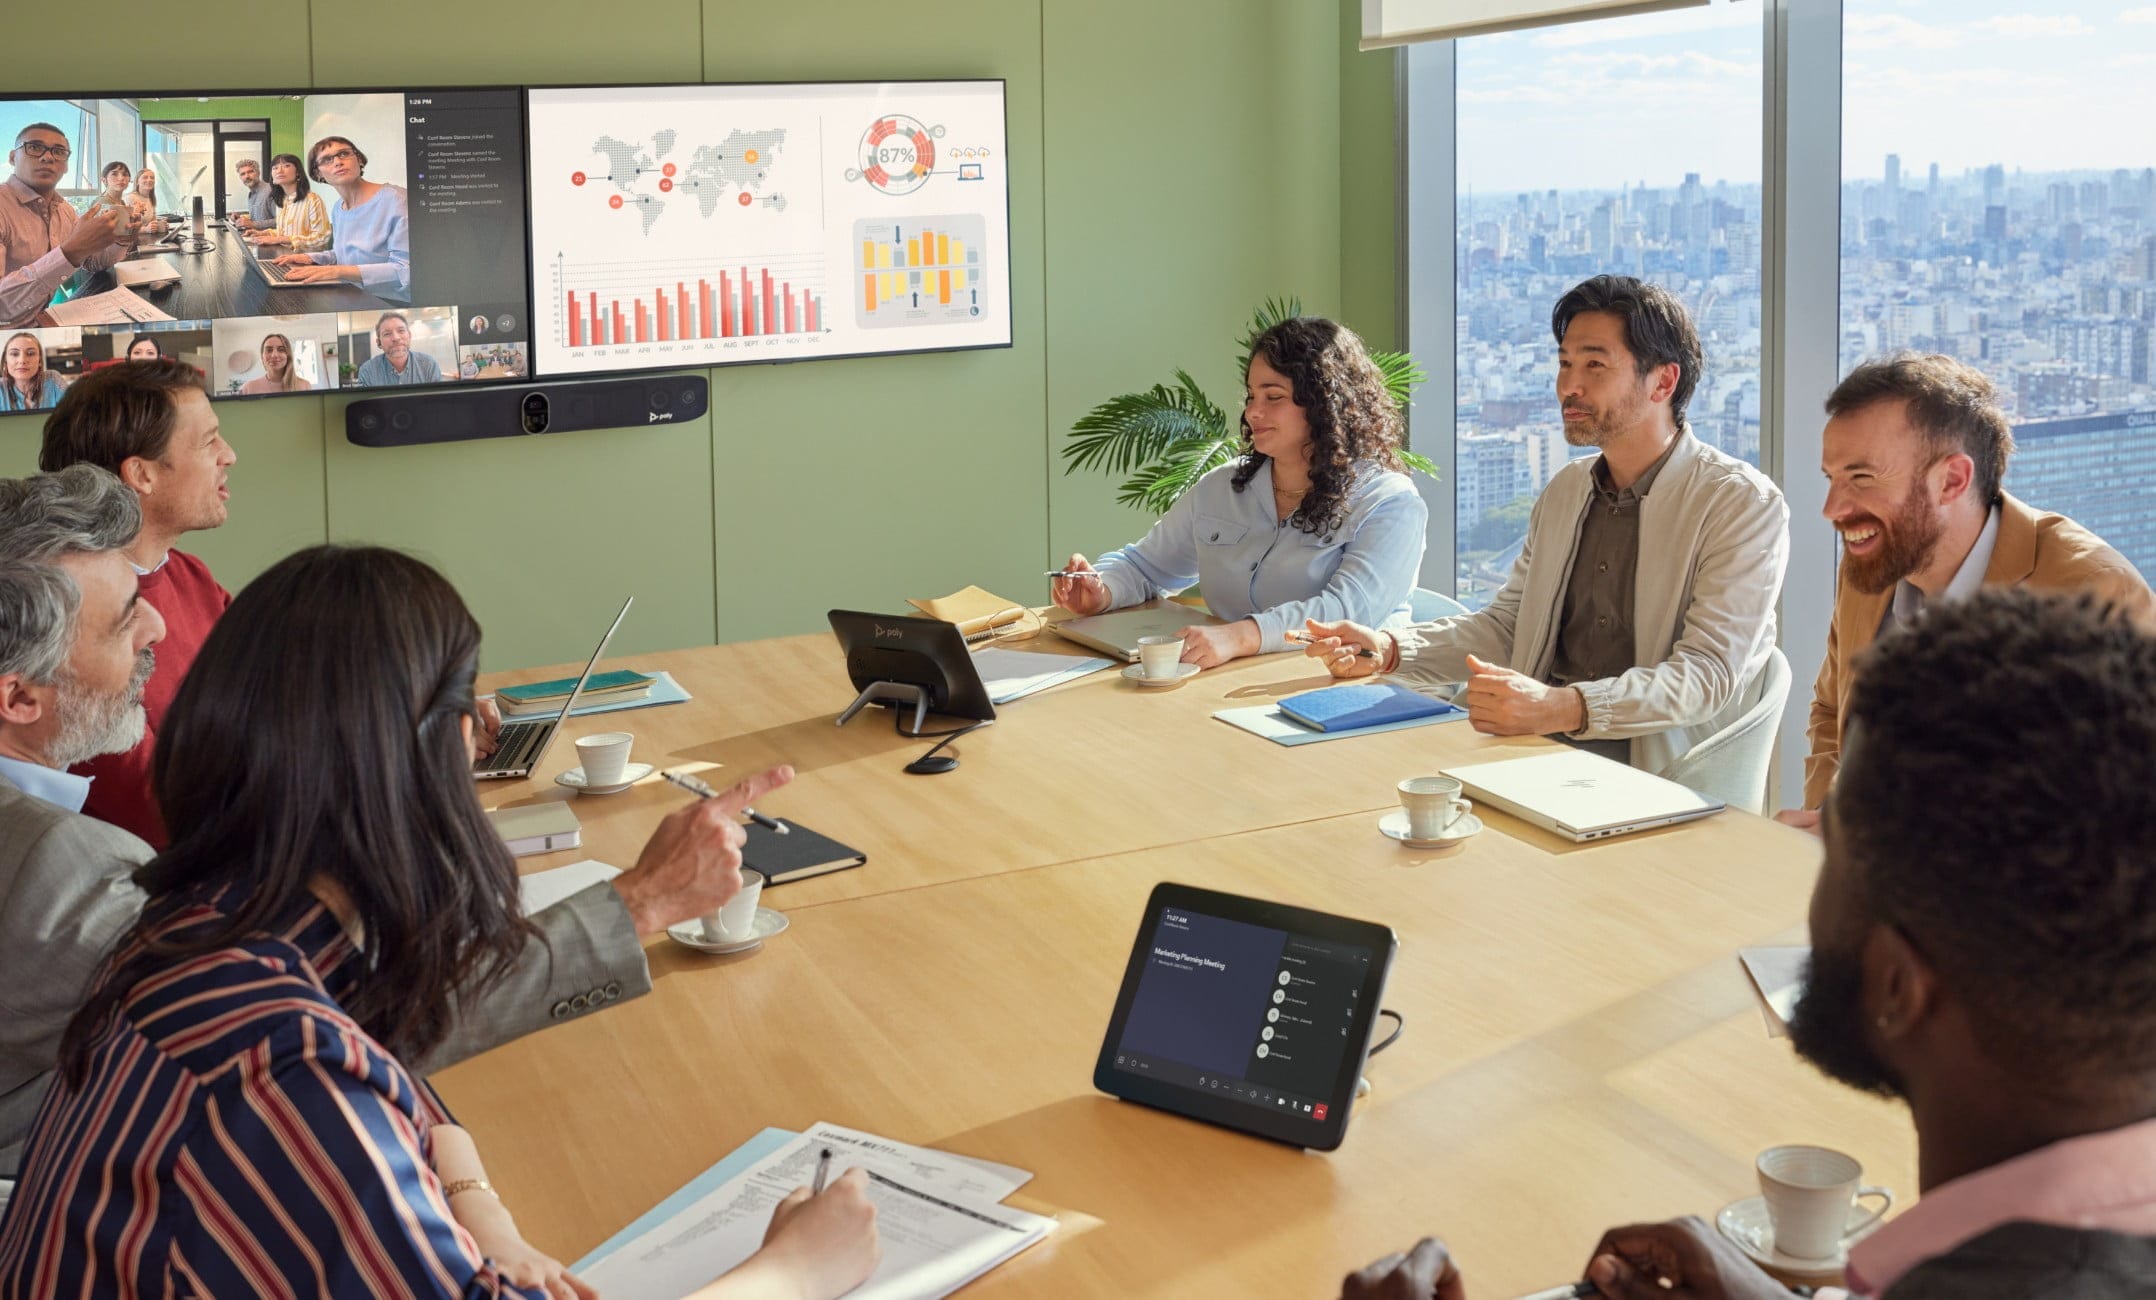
(287, 118)
(1369, 167)
(1191, 174)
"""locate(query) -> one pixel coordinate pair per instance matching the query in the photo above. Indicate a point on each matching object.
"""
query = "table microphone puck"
(932, 765)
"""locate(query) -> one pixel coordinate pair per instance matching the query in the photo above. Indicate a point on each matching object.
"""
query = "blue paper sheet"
(1268, 721)
(735, 1164)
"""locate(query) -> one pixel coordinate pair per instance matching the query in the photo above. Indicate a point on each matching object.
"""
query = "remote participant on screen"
(277, 376)
(144, 348)
(370, 229)
(302, 219)
(42, 241)
(25, 383)
(261, 196)
(395, 362)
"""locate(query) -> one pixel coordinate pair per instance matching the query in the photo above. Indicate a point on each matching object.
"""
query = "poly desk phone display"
(1248, 1014)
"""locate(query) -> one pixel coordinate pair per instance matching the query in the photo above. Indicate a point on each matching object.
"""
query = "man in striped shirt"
(76, 640)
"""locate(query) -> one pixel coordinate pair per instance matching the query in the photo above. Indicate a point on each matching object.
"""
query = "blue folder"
(1367, 704)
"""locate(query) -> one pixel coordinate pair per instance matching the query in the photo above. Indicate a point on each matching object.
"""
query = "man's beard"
(93, 724)
(1603, 426)
(1827, 1026)
(1904, 547)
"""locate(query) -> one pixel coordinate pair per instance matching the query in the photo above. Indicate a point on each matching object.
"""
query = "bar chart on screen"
(714, 225)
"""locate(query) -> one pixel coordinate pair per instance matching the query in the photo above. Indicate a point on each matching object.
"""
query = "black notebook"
(796, 856)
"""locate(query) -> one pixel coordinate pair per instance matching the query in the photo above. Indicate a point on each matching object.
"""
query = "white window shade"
(1404, 22)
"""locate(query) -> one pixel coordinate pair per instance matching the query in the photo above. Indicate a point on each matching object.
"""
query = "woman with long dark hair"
(303, 223)
(232, 1113)
(1317, 518)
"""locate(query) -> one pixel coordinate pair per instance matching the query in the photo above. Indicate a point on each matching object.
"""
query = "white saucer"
(1393, 825)
(630, 775)
(1746, 1224)
(691, 933)
(1183, 673)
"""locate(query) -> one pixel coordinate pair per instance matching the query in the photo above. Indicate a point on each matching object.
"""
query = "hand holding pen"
(1079, 587)
(691, 865)
(703, 791)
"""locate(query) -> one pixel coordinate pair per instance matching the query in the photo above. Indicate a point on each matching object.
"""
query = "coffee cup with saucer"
(1174, 677)
(1746, 1224)
(575, 779)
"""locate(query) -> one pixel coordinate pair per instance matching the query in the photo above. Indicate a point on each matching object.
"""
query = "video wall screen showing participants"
(710, 225)
(277, 242)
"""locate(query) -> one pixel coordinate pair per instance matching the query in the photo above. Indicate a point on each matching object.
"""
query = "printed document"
(937, 1215)
(113, 307)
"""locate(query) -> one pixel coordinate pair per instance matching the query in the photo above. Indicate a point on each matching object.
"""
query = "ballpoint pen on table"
(703, 791)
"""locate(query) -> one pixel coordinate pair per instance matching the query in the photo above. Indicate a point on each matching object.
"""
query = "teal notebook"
(1370, 704)
(561, 686)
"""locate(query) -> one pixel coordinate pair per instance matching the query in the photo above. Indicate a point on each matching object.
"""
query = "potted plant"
(1170, 436)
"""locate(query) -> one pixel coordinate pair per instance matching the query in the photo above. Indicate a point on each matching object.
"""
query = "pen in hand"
(704, 791)
(1073, 573)
(1303, 638)
(823, 1171)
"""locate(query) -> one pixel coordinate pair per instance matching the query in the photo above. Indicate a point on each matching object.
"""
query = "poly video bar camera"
(507, 412)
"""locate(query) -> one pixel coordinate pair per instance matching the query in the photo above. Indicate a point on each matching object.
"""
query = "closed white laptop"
(1583, 796)
(1117, 633)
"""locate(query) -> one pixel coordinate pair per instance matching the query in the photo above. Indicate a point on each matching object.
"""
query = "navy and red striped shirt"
(239, 1135)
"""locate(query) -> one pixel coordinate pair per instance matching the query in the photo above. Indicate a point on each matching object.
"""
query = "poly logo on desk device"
(895, 633)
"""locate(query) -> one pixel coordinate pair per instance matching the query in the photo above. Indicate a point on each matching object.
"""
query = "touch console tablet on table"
(1248, 1014)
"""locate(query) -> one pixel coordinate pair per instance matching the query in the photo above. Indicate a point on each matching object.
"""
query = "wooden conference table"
(216, 285)
(1582, 1048)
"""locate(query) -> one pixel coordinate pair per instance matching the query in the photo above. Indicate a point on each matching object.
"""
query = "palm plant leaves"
(1171, 435)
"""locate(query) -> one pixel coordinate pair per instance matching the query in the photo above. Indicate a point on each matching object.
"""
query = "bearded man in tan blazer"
(1914, 451)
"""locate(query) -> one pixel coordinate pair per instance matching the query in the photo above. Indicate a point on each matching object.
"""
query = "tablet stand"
(896, 694)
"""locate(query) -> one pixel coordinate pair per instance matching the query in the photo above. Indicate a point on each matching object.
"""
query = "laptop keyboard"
(518, 742)
(272, 272)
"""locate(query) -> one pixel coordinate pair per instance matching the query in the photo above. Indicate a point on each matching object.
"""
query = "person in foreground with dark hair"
(235, 1113)
(1640, 613)
(1915, 448)
(1996, 969)
(1317, 519)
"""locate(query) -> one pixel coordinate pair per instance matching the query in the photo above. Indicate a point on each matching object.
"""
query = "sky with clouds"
(2043, 84)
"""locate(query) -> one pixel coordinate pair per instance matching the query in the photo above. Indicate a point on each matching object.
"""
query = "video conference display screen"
(349, 240)
(717, 224)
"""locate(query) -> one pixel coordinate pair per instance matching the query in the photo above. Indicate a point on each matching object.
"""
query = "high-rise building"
(2099, 469)
(1995, 223)
(1994, 185)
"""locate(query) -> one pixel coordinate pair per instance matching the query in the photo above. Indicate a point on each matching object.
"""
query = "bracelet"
(452, 1190)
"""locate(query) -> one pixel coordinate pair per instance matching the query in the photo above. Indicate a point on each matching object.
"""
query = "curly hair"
(1343, 395)
(2020, 860)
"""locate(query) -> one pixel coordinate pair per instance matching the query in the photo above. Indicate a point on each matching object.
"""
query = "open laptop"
(280, 275)
(1117, 633)
(1583, 796)
(523, 743)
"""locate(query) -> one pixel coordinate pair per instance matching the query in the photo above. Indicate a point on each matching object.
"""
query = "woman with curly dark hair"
(1316, 519)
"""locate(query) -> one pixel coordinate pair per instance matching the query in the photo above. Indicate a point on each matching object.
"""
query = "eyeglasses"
(41, 151)
(334, 155)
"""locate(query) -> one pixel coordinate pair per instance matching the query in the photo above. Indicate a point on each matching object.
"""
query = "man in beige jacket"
(1640, 614)
(1914, 451)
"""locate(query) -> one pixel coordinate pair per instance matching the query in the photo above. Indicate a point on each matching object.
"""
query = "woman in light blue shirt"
(1317, 519)
(370, 226)
(25, 383)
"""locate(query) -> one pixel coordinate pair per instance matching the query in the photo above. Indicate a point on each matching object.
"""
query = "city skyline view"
(2035, 264)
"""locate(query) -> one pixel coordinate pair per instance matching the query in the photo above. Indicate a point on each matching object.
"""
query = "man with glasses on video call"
(42, 240)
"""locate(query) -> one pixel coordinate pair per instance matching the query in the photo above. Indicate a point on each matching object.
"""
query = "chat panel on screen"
(707, 225)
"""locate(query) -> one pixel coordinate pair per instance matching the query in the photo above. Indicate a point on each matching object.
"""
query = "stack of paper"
(1013, 674)
(113, 307)
(938, 1215)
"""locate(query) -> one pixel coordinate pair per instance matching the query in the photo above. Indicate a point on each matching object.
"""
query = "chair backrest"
(1732, 764)
(1426, 606)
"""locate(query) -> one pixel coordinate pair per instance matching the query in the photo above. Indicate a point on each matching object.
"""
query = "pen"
(1361, 652)
(1074, 573)
(823, 1171)
(1572, 1291)
(703, 791)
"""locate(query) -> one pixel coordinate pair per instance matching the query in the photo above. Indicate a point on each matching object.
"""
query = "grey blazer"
(66, 894)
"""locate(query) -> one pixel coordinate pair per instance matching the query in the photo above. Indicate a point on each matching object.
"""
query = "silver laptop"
(280, 275)
(1583, 796)
(522, 744)
(1117, 633)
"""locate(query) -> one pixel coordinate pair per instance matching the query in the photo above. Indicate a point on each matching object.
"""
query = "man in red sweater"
(150, 424)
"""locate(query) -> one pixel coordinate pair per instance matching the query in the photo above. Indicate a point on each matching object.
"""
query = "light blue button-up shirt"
(1250, 564)
(48, 783)
(376, 237)
(376, 372)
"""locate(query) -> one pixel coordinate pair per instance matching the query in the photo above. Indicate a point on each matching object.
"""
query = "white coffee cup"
(1158, 656)
(1809, 1191)
(605, 757)
(737, 920)
(1433, 804)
